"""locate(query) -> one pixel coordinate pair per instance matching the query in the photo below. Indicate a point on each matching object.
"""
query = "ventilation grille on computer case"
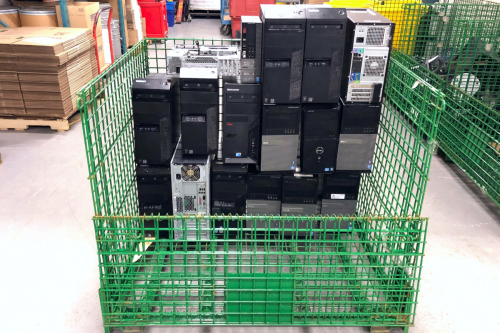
(361, 94)
(190, 173)
(375, 36)
(189, 201)
(374, 66)
(179, 204)
(199, 60)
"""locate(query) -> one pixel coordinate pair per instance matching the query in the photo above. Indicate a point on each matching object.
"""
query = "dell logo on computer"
(320, 150)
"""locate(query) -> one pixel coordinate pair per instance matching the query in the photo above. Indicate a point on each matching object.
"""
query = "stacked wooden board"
(42, 69)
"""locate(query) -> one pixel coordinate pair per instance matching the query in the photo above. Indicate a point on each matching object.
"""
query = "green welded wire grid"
(368, 275)
(469, 131)
(466, 37)
(405, 145)
(360, 285)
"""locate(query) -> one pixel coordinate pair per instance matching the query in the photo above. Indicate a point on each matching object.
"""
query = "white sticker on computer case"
(337, 196)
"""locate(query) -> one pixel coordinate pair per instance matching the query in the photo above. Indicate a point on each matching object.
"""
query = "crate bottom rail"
(364, 276)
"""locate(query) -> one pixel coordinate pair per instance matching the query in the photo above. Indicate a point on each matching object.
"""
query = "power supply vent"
(360, 98)
(190, 172)
(189, 203)
(374, 66)
(375, 36)
(179, 204)
(200, 60)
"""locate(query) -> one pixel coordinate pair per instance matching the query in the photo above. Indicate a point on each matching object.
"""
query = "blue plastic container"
(171, 13)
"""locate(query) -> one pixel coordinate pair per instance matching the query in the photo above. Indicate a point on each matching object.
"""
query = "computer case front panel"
(241, 125)
(229, 190)
(251, 49)
(340, 197)
(263, 198)
(154, 114)
(358, 136)
(154, 192)
(299, 198)
(199, 103)
(280, 137)
(323, 53)
(283, 53)
(319, 138)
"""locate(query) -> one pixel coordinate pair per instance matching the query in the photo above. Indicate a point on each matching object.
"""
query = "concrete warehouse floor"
(49, 276)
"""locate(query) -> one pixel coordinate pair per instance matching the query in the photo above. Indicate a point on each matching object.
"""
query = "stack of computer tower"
(282, 61)
(155, 115)
(297, 130)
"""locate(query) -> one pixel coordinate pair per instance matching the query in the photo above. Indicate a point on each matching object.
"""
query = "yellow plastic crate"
(350, 4)
(396, 12)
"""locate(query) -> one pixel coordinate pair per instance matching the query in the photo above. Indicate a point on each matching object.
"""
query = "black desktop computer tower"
(199, 108)
(299, 198)
(358, 136)
(340, 197)
(229, 191)
(251, 49)
(319, 138)
(241, 125)
(154, 112)
(154, 189)
(264, 198)
(280, 137)
(366, 57)
(323, 53)
(283, 53)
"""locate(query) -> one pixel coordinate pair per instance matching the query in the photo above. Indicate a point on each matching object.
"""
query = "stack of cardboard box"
(82, 15)
(136, 24)
(11, 98)
(51, 64)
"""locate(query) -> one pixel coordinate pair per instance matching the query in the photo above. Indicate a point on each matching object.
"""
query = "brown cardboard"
(133, 37)
(11, 103)
(81, 15)
(47, 20)
(6, 43)
(11, 94)
(12, 111)
(10, 76)
(11, 19)
(10, 86)
(54, 42)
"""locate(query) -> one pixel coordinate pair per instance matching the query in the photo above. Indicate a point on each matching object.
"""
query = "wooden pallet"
(22, 123)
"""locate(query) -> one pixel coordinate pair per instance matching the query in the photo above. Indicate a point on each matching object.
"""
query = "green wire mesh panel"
(464, 35)
(366, 276)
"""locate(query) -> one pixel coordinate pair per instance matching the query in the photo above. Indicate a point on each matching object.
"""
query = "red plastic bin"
(155, 14)
(239, 8)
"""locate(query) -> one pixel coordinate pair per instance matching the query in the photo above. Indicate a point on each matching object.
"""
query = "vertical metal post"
(64, 13)
(122, 26)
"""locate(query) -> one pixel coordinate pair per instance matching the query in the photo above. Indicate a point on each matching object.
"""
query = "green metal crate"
(465, 34)
(367, 275)
(469, 131)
